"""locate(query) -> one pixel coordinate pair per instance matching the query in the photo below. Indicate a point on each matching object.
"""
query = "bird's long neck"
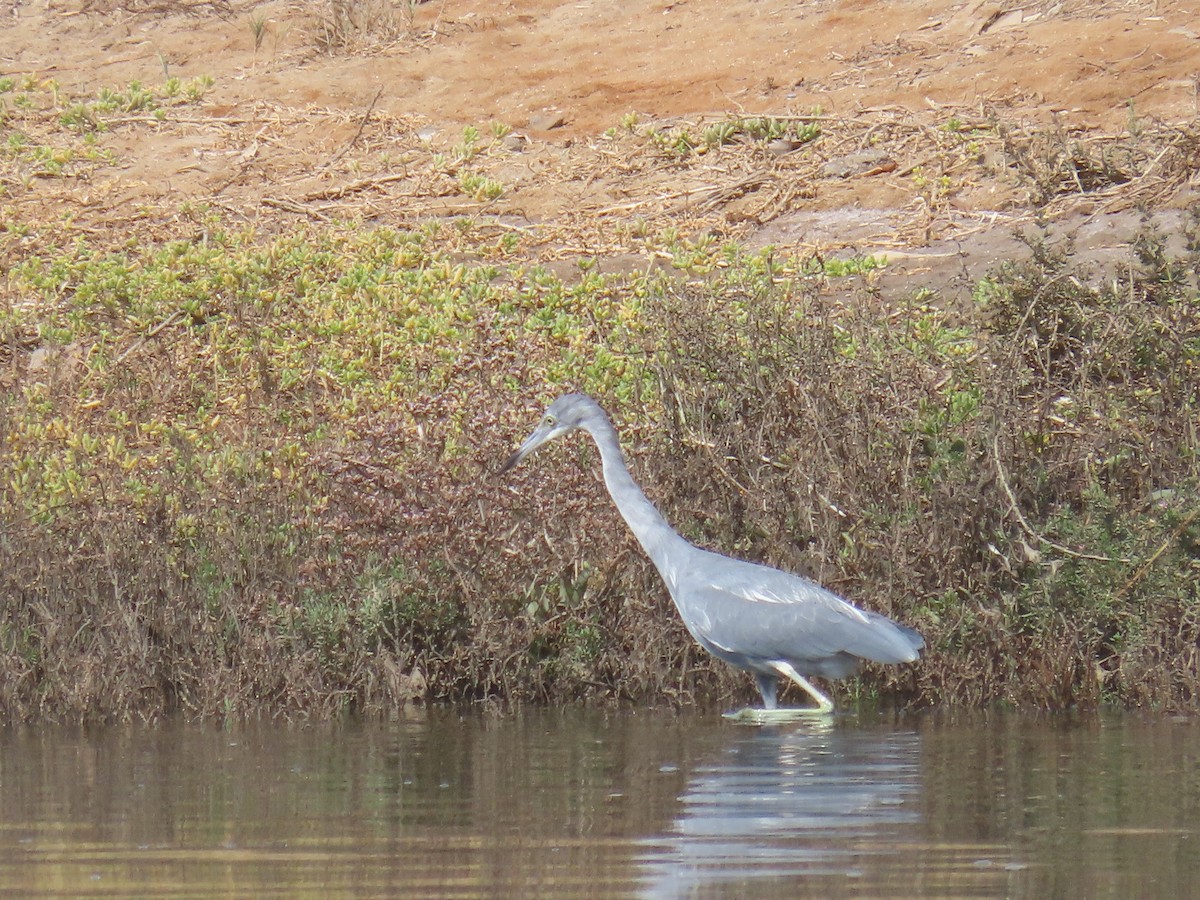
(647, 524)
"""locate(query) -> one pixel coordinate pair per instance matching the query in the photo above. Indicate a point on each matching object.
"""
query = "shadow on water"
(593, 804)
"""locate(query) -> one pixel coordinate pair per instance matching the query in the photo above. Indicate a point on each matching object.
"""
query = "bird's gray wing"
(762, 613)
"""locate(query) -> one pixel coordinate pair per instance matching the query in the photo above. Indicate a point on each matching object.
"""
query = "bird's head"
(563, 416)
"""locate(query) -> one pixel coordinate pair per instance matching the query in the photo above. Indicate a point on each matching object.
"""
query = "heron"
(768, 622)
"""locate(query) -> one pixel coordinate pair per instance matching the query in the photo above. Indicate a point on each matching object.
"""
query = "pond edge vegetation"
(246, 476)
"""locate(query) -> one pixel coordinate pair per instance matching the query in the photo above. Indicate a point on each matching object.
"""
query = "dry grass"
(357, 26)
(220, 8)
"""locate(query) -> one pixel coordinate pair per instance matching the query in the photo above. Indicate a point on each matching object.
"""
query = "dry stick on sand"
(361, 125)
(293, 207)
(332, 193)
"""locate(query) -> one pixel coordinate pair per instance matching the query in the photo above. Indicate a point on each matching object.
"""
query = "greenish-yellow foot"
(760, 716)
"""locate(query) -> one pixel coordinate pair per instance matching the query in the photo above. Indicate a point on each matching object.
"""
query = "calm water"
(592, 804)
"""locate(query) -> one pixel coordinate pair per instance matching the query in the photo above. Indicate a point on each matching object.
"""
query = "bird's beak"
(540, 435)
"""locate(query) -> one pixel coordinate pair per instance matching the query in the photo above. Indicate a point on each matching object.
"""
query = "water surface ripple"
(594, 804)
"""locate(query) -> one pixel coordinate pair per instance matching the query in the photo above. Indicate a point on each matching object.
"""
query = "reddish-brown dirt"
(284, 135)
(469, 61)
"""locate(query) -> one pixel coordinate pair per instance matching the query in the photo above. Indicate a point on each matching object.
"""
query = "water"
(594, 804)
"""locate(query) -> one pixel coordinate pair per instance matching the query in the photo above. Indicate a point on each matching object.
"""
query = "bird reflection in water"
(816, 799)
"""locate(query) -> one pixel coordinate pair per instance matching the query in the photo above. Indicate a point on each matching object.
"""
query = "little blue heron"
(760, 619)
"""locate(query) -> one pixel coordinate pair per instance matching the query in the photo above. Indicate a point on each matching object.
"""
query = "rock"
(547, 121)
(857, 163)
(782, 146)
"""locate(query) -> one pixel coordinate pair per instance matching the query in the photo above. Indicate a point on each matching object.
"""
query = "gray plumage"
(760, 619)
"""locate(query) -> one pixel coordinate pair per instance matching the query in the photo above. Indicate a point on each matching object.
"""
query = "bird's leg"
(824, 704)
(772, 713)
(767, 685)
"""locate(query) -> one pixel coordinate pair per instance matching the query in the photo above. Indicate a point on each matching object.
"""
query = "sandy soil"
(292, 134)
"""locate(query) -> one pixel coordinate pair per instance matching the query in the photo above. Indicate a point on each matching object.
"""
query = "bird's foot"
(759, 716)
